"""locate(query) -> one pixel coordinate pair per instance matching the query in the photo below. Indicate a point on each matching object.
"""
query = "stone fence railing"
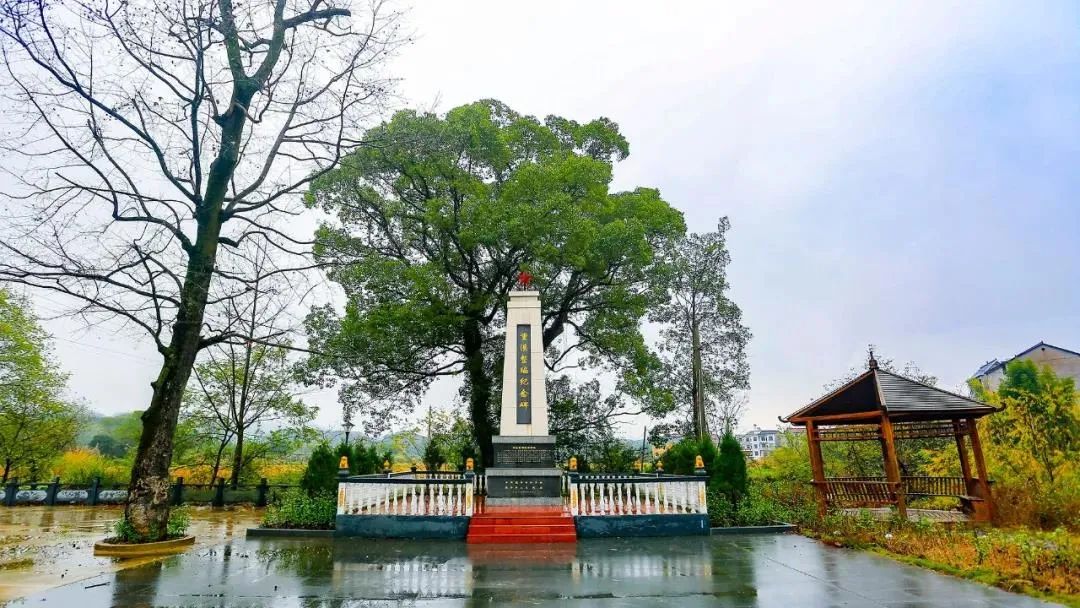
(14, 493)
(637, 495)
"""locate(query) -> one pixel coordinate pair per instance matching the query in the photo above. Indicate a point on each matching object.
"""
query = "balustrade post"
(11, 489)
(92, 493)
(50, 491)
(178, 492)
(262, 490)
(219, 493)
(573, 489)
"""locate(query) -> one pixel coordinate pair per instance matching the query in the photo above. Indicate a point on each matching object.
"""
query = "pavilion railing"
(858, 492)
(407, 494)
(878, 490)
(934, 486)
(637, 495)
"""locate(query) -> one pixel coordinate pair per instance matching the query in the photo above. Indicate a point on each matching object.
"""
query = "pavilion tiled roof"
(877, 390)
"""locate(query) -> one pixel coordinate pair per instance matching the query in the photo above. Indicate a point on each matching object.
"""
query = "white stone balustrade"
(403, 496)
(614, 495)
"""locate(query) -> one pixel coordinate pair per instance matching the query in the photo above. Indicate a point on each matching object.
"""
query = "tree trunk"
(701, 425)
(479, 390)
(7, 469)
(147, 507)
(148, 497)
(217, 459)
(238, 458)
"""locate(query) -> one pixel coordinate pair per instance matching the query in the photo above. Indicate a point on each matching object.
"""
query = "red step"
(499, 554)
(529, 520)
(521, 538)
(493, 529)
(522, 525)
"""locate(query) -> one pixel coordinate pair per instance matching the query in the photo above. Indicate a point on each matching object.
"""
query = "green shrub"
(363, 459)
(298, 509)
(125, 532)
(728, 472)
(179, 520)
(434, 458)
(764, 504)
(679, 458)
(320, 476)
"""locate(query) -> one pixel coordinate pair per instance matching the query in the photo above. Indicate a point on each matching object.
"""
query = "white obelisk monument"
(524, 469)
(524, 395)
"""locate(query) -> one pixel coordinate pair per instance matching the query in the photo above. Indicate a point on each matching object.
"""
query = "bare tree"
(242, 387)
(156, 139)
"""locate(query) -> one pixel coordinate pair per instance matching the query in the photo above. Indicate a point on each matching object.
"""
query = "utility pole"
(644, 433)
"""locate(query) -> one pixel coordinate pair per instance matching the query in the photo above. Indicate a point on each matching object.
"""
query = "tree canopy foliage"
(36, 423)
(703, 339)
(1041, 418)
(244, 391)
(430, 230)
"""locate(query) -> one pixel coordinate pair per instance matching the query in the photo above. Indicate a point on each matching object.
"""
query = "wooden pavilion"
(881, 406)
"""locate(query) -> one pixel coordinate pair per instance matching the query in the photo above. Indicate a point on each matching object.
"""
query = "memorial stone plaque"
(524, 374)
(524, 455)
(524, 486)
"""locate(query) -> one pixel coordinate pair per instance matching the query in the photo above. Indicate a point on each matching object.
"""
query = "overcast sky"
(903, 175)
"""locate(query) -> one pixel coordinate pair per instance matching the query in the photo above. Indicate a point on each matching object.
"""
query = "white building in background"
(759, 442)
(1064, 362)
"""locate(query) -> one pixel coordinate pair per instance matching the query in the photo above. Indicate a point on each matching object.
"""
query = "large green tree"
(1041, 419)
(36, 423)
(703, 337)
(431, 229)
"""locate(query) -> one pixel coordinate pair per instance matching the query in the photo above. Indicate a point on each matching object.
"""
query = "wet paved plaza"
(44, 547)
(762, 571)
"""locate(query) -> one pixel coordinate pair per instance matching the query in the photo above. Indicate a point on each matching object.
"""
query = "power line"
(102, 348)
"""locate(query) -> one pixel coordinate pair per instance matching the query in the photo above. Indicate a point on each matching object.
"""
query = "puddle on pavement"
(44, 547)
(760, 571)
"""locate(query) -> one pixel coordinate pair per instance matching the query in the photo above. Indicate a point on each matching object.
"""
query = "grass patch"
(985, 576)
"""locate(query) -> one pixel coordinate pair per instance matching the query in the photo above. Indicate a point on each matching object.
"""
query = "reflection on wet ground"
(757, 570)
(43, 547)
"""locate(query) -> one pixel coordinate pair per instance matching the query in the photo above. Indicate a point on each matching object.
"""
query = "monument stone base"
(524, 471)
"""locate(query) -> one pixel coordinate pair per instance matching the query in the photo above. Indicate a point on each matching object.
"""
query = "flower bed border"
(778, 528)
(289, 533)
(163, 547)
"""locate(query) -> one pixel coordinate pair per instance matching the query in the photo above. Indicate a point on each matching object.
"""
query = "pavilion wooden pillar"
(892, 464)
(980, 466)
(961, 450)
(817, 465)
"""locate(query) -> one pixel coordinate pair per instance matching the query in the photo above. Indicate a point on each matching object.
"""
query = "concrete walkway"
(762, 571)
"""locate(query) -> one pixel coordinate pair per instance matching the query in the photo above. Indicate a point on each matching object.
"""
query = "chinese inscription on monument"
(524, 376)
